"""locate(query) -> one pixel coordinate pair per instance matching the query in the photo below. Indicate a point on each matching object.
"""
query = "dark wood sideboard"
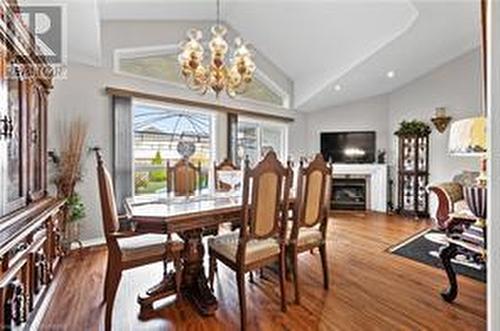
(30, 220)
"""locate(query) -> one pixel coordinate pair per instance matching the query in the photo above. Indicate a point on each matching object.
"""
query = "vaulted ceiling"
(333, 51)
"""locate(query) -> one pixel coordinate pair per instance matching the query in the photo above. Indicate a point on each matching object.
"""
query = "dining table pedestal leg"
(194, 281)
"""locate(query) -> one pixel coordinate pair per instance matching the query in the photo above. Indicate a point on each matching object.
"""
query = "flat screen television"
(349, 147)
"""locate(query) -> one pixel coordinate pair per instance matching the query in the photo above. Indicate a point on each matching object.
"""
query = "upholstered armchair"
(451, 199)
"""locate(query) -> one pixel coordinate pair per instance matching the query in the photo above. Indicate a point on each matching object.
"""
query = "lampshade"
(468, 137)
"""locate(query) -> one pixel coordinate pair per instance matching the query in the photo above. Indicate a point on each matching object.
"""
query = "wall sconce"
(440, 120)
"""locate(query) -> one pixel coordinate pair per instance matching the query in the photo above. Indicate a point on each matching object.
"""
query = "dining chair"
(260, 240)
(221, 186)
(183, 178)
(310, 216)
(126, 248)
(225, 165)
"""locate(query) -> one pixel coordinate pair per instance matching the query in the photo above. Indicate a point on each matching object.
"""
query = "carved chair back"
(108, 203)
(183, 178)
(266, 190)
(226, 165)
(312, 194)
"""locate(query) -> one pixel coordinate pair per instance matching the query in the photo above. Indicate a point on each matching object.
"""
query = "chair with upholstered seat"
(128, 249)
(310, 216)
(261, 238)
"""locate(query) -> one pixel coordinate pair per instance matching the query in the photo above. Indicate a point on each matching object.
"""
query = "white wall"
(456, 86)
(494, 170)
(297, 140)
(364, 115)
(82, 94)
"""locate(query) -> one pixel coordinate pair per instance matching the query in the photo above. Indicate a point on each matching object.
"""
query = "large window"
(160, 64)
(157, 132)
(256, 138)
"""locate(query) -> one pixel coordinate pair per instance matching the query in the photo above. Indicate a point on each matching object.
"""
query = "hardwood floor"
(370, 289)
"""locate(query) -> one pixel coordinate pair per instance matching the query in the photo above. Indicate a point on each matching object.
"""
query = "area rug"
(424, 247)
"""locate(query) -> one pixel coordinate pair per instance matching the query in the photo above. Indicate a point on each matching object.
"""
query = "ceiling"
(317, 44)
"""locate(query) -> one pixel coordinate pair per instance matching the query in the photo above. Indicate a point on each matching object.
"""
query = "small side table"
(471, 242)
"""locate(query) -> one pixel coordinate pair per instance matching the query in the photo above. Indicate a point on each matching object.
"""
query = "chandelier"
(233, 77)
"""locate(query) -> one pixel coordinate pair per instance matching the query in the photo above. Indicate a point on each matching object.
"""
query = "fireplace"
(350, 193)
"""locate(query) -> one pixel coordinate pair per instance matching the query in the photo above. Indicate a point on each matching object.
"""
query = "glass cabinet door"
(36, 142)
(15, 179)
(12, 138)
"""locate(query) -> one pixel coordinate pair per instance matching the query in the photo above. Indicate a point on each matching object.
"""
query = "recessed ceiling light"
(337, 87)
(391, 74)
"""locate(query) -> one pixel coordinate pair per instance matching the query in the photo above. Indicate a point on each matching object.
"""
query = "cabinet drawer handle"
(34, 136)
(5, 126)
(11, 128)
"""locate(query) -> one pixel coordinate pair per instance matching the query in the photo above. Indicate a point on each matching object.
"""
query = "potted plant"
(413, 128)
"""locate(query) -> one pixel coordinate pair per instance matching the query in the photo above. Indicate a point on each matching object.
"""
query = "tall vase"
(71, 235)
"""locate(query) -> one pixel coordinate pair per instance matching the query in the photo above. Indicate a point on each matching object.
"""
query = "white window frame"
(170, 106)
(271, 124)
(135, 52)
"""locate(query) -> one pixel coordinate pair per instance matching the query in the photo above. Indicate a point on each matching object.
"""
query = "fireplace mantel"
(376, 175)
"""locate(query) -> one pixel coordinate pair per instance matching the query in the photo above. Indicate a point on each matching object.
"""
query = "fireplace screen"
(349, 194)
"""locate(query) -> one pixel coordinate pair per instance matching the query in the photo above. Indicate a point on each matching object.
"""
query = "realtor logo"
(47, 24)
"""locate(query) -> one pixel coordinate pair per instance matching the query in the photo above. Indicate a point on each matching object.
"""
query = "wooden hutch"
(30, 220)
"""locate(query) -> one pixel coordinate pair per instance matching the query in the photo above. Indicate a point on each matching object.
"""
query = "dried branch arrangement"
(68, 164)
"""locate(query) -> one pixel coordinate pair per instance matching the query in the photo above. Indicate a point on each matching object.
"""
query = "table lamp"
(468, 138)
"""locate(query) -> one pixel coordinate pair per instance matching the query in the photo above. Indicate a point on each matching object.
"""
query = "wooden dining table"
(190, 218)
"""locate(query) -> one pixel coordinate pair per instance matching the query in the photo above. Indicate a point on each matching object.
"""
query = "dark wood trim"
(122, 92)
(22, 221)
